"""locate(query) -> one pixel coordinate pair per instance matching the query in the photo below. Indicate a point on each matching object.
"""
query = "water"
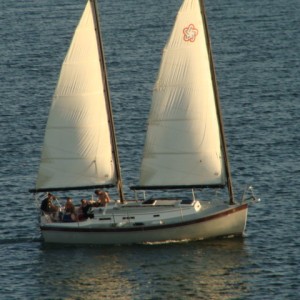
(256, 48)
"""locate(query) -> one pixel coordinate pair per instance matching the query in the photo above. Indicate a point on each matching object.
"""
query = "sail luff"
(218, 106)
(107, 99)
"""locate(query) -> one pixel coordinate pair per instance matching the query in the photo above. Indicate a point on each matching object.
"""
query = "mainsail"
(78, 149)
(184, 144)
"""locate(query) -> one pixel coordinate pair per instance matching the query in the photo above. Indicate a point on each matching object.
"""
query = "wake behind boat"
(185, 149)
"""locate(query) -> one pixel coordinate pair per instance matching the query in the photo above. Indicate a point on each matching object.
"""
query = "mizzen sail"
(77, 150)
(183, 143)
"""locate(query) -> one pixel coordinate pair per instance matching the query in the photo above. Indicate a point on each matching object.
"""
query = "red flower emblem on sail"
(190, 33)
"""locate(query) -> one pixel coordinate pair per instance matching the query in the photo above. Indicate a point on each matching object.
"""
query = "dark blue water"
(256, 46)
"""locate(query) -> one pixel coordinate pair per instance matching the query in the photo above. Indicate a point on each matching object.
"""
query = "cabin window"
(138, 224)
(187, 201)
(149, 201)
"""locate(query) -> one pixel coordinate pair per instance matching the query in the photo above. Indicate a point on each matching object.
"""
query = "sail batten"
(78, 151)
(183, 120)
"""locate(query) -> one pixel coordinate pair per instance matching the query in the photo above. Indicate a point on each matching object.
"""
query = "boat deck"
(149, 213)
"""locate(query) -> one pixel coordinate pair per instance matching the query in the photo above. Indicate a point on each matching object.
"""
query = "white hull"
(208, 222)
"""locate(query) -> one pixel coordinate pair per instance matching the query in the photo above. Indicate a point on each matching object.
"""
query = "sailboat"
(185, 149)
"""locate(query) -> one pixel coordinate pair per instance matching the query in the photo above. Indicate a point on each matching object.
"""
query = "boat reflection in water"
(207, 270)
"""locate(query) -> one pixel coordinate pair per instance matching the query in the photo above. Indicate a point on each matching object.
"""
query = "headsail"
(78, 150)
(183, 144)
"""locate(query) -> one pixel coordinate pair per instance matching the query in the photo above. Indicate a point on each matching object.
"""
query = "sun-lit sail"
(183, 144)
(77, 149)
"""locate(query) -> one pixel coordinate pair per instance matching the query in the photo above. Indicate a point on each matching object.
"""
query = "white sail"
(183, 139)
(77, 149)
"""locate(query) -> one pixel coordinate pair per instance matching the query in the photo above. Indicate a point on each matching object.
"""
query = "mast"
(107, 100)
(218, 106)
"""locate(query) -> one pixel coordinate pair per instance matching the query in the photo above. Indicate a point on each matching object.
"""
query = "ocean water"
(256, 46)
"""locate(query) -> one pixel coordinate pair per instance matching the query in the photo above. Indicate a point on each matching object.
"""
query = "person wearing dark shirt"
(47, 206)
(85, 208)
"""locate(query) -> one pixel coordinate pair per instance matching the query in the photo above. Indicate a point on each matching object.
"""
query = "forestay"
(183, 146)
(77, 149)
